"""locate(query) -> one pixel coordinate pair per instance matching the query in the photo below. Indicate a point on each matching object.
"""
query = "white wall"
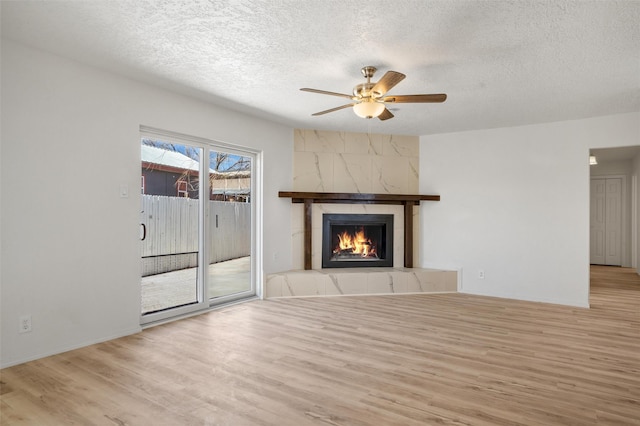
(70, 248)
(515, 204)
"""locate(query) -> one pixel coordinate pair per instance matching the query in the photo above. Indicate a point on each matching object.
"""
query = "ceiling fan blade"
(440, 97)
(333, 109)
(324, 92)
(386, 114)
(386, 83)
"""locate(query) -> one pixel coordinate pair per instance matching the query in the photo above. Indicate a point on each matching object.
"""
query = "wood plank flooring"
(378, 360)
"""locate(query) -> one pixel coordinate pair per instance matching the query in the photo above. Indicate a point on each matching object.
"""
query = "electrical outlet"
(481, 274)
(25, 324)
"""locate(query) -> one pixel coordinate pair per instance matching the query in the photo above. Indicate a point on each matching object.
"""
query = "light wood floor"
(377, 360)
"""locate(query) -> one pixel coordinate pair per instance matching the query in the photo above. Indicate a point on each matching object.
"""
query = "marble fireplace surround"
(361, 165)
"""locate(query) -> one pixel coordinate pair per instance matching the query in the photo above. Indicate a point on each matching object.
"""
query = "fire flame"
(358, 243)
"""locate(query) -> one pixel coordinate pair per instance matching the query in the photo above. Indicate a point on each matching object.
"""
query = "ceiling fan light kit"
(369, 98)
(368, 109)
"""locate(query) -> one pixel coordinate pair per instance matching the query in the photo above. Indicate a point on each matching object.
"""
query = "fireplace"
(357, 240)
(408, 201)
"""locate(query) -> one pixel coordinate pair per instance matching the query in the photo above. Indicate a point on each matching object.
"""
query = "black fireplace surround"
(357, 240)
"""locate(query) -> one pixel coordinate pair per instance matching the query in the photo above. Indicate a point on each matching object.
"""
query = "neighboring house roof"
(177, 160)
(232, 174)
(154, 155)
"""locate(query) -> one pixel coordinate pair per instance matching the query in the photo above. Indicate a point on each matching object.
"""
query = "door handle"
(143, 229)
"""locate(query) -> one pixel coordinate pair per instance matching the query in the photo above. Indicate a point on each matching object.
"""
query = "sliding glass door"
(196, 226)
(230, 211)
(171, 217)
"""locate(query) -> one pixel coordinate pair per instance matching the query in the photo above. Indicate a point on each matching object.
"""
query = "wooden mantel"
(407, 200)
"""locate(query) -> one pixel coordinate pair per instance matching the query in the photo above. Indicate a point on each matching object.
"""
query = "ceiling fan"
(368, 99)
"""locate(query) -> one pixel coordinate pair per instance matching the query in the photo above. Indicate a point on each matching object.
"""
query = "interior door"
(606, 221)
(613, 222)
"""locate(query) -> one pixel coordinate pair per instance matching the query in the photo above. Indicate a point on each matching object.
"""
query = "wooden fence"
(171, 241)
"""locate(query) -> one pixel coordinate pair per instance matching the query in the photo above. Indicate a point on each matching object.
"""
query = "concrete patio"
(176, 288)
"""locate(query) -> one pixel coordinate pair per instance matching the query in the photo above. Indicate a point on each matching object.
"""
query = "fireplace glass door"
(357, 240)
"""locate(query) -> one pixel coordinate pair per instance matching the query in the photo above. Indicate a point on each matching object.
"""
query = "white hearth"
(360, 281)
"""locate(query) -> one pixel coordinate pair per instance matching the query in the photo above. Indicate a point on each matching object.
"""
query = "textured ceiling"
(502, 63)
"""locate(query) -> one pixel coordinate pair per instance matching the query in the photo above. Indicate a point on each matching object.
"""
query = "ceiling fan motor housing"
(363, 91)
